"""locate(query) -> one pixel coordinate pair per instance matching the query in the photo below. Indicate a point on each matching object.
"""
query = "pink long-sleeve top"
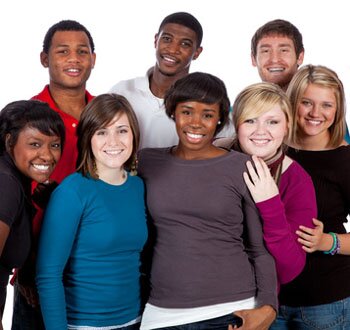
(282, 215)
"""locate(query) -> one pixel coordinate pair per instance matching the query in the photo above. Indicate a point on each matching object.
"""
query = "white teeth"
(314, 122)
(169, 59)
(41, 167)
(260, 142)
(194, 136)
(276, 70)
(73, 70)
(113, 152)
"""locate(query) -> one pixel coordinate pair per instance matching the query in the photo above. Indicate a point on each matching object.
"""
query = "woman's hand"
(256, 319)
(314, 239)
(259, 181)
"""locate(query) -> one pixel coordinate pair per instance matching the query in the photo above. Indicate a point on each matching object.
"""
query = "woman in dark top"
(319, 297)
(31, 139)
(209, 259)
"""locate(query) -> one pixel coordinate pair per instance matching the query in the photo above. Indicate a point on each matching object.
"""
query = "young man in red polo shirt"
(68, 53)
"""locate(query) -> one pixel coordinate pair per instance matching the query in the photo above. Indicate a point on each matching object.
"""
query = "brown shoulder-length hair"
(96, 115)
(324, 77)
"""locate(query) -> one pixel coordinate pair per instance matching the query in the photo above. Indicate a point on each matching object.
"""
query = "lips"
(276, 70)
(170, 60)
(260, 142)
(41, 167)
(73, 71)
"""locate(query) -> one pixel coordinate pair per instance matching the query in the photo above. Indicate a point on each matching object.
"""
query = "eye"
(249, 121)
(166, 39)
(56, 145)
(83, 52)
(185, 112)
(273, 122)
(306, 102)
(208, 116)
(35, 144)
(101, 133)
(328, 105)
(186, 44)
(123, 131)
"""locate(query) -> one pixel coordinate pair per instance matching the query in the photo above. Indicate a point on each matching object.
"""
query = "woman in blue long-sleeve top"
(95, 227)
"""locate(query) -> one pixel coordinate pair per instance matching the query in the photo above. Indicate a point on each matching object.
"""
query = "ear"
(300, 59)
(253, 60)
(44, 59)
(93, 60)
(197, 53)
(7, 142)
(156, 40)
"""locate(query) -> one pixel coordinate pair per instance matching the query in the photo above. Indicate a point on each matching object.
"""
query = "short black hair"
(185, 19)
(65, 25)
(18, 115)
(279, 27)
(199, 87)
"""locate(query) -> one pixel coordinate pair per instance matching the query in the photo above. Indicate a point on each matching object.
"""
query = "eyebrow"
(279, 45)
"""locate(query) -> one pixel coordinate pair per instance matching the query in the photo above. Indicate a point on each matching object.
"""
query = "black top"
(16, 211)
(325, 278)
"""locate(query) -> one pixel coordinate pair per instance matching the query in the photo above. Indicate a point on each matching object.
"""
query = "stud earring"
(219, 122)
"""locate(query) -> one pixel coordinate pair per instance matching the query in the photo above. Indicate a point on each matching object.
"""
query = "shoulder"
(152, 158)
(130, 85)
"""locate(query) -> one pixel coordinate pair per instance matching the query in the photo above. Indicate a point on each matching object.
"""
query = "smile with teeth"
(113, 152)
(41, 167)
(169, 59)
(314, 122)
(260, 141)
(194, 136)
(73, 70)
(273, 70)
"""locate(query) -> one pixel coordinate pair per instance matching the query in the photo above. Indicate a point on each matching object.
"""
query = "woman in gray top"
(210, 268)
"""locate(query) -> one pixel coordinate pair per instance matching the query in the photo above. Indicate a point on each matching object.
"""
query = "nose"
(45, 153)
(74, 57)
(174, 47)
(274, 56)
(196, 121)
(112, 139)
(315, 111)
(260, 128)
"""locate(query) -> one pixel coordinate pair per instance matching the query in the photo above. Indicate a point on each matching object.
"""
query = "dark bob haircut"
(185, 19)
(199, 87)
(96, 115)
(65, 25)
(18, 115)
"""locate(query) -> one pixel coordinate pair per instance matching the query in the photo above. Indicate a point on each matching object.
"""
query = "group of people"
(159, 205)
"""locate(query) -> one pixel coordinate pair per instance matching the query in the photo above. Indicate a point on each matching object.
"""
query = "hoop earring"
(133, 167)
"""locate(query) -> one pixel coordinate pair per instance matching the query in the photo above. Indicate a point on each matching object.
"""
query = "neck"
(160, 83)
(314, 142)
(71, 101)
(115, 177)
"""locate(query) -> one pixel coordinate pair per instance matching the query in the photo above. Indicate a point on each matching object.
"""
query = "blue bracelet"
(336, 245)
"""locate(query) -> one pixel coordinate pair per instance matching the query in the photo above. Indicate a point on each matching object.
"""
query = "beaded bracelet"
(336, 245)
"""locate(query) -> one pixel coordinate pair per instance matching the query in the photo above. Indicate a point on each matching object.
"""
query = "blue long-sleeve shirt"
(89, 253)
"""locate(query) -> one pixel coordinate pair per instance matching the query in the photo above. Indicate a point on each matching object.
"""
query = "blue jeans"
(335, 316)
(25, 317)
(219, 323)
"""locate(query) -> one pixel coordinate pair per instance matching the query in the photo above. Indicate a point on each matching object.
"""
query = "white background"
(123, 32)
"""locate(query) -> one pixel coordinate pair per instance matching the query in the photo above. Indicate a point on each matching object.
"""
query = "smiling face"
(70, 59)
(316, 113)
(196, 125)
(276, 59)
(263, 135)
(112, 145)
(176, 47)
(36, 154)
